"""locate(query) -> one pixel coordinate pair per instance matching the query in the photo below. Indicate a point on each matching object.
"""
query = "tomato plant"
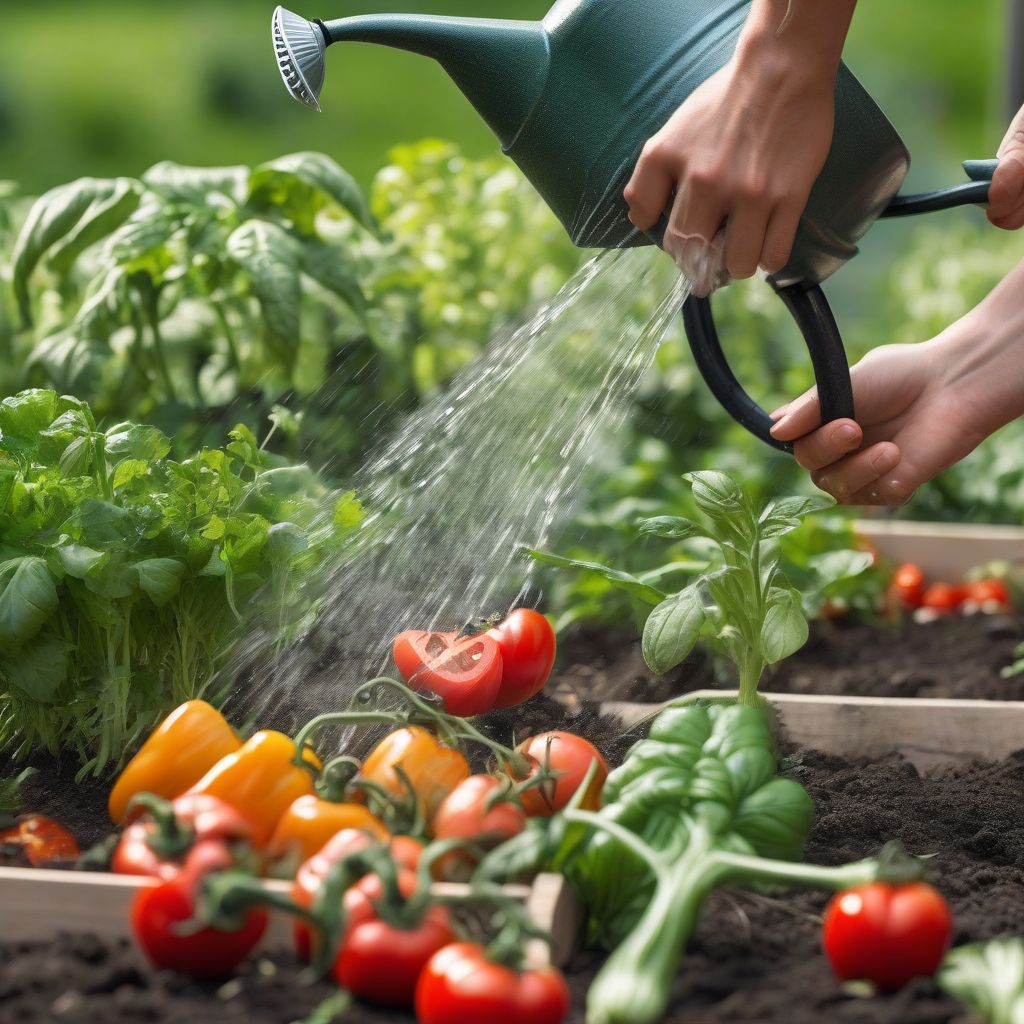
(464, 671)
(887, 934)
(460, 985)
(567, 759)
(527, 644)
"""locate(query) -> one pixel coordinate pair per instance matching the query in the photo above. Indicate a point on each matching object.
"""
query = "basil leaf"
(784, 629)
(135, 441)
(622, 580)
(160, 578)
(28, 598)
(39, 669)
(672, 629)
(672, 527)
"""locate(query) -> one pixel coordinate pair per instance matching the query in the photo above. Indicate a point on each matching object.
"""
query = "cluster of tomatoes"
(912, 591)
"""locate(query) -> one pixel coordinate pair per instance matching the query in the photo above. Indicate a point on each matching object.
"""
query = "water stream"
(500, 460)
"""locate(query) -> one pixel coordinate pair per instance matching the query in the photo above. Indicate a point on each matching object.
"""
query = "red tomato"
(461, 986)
(942, 597)
(465, 672)
(465, 814)
(887, 934)
(159, 912)
(379, 961)
(983, 592)
(908, 585)
(568, 758)
(42, 840)
(527, 644)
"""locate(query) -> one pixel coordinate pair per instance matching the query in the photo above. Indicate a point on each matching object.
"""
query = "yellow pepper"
(309, 822)
(178, 752)
(260, 780)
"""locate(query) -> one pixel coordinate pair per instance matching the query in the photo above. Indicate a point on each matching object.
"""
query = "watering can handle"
(811, 311)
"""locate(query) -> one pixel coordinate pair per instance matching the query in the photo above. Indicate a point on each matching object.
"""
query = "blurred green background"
(109, 87)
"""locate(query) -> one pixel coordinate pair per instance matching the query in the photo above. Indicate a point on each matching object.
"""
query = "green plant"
(989, 978)
(126, 576)
(736, 595)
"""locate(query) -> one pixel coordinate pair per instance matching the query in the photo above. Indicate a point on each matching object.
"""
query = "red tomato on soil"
(908, 585)
(465, 672)
(942, 597)
(887, 934)
(984, 592)
(527, 644)
(568, 758)
(41, 840)
(461, 986)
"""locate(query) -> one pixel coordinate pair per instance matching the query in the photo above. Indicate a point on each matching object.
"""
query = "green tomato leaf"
(672, 527)
(622, 580)
(784, 629)
(672, 629)
(137, 441)
(39, 669)
(160, 578)
(28, 598)
(267, 254)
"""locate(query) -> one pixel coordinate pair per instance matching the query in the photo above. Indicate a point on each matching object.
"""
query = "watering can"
(574, 97)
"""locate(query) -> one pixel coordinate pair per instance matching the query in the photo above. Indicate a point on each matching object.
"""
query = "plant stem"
(749, 868)
(751, 668)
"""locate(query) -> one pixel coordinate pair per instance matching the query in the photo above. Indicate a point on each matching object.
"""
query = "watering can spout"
(501, 66)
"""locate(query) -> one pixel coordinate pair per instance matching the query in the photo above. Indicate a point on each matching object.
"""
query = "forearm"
(982, 354)
(796, 37)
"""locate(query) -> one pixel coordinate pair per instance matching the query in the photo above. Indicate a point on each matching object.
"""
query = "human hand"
(913, 421)
(1006, 196)
(745, 148)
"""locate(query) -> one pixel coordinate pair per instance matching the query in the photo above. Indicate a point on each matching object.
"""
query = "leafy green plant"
(192, 298)
(126, 576)
(735, 593)
(989, 978)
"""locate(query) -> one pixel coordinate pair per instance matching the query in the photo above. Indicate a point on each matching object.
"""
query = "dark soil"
(961, 656)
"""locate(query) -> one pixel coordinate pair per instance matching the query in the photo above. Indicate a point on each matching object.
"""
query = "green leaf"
(267, 254)
(214, 529)
(775, 819)
(69, 360)
(796, 508)
(672, 527)
(160, 578)
(318, 172)
(284, 542)
(719, 497)
(78, 560)
(28, 598)
(784, 629)
(285, 420)
(137, 441)
(831, 566)
(103, 524)
(102, 216)
(989, 978)
(672, 630)
(191, 185)
(334, 268)
(76, 459)
(52, 217)
(25, 415)
(128, 470)
(39, 669)
(348, 511)
(622, 580)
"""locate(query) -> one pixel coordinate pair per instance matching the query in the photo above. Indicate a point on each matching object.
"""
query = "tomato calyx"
(895, 866)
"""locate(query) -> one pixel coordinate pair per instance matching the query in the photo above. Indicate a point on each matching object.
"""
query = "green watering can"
(574, 97)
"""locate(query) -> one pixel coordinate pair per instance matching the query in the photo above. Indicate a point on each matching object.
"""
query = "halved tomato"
(464, 671)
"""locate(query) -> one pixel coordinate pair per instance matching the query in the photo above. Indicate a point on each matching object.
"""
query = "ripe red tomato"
(465, 672)
(379, 961)
(159, 912)
(908, 585)
(41, 840)
(461, 986)
(475, 810)
(942, 597)
(984, 592)
(568, 757)
(527, 644)
(887, 934)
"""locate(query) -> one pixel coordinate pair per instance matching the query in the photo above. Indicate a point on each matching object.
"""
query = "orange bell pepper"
(178, 752)
(260, 780)
(433, 769)
(309, 822)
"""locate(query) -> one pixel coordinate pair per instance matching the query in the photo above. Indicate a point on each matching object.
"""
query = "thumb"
(1007, 190)
(798, 418)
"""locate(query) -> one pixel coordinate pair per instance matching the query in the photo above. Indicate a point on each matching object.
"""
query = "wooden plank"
(929, 732)
(36, 904)
(945, 551)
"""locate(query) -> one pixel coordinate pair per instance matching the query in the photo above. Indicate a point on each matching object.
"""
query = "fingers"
(828, 445)
(1006, 195)
(694, 238)
(650, 188)
(861, 478)
(779, 236)
(798, 418)
(745, 238)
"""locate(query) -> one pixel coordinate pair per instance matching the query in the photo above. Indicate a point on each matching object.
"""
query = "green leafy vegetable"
(989, 978)
(128, 576)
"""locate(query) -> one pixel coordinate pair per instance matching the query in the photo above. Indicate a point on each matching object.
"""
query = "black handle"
(971, 193)
(811, 311)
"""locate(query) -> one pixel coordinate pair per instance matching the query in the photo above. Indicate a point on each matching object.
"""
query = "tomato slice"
(464, 671)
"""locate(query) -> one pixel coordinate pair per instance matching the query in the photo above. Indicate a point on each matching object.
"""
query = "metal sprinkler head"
(299, 47)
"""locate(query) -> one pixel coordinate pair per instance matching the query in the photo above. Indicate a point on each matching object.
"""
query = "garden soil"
(755, 958)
